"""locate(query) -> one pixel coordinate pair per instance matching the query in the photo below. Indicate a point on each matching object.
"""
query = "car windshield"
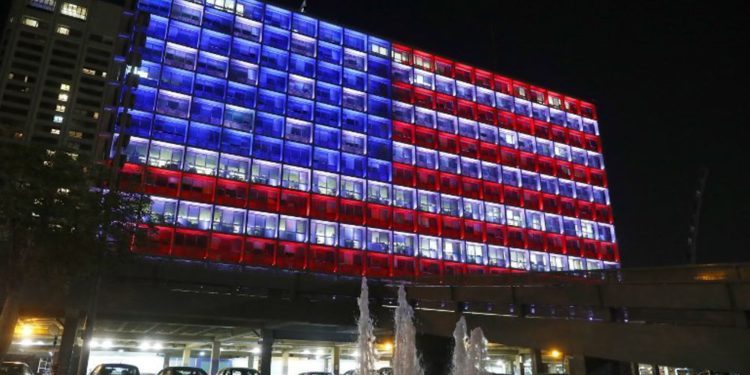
(11, 369)
(187, 371)
(118, 370)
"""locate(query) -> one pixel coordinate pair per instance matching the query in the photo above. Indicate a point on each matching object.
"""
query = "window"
(325, 183)
(403, 197)
(42, 4)
(260, 224)
(54, 131)
(429, 247)
(474, 253)
(403, 243)
(296, 178)
(194, 215)
(378, 193)
(293, 229)
(428, 202)
(229, 220)
(265, 173)
(495, 213)
(534, 220)
(450, 205)
(203, 162)
(60, 108)
(588, 229)
(31, 22)
(426, 158)
(538, 261)
(452, 250)
(571, 227)
(73, 10)
(63, 97)
(351, 236)
(557, 263)
(518, 259)
(162, 211)
(323, 233)
(552, 223)
(164, 155)
(352, 188)
(57, 119)
(233, 168)
(64, 87)
(497, 256)
(403, 153)
(576, 264)
(514, 216)
(473, 209)
(378, 240)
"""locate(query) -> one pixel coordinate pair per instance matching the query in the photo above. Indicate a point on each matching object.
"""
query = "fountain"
(460, 359)
(366, 340)
(476, 353)
(405, 358)
(468, 354)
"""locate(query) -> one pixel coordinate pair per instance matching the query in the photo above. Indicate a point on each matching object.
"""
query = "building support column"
(285, 363)
(166, 361)
(186, 356)
(336, 360)
(266, 351)
(251, 361)
(65, 353)
(537, 366)
(215, 355)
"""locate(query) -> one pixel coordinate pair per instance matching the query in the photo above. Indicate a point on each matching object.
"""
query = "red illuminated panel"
(259, 251)
(322, 258)
(225, 248)
(291, 255)
(190, 244)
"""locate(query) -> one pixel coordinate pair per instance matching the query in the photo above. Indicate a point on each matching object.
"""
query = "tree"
(56, 225)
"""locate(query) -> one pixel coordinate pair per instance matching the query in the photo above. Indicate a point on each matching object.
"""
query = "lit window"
(380, 50)
(57, 119)
(64, 87)
(75, 11)
(55, 131)
(18, 135)
(429, 247)
(514, 217)
(474, 253)
(42, 4)
(518, 259)
(75, 134)
(28, 21)
(60, 108)
(95, 115)
(63, 30)
(63, 97)
(324, 233)
(293, 229)
(104, 74)
(88, 71)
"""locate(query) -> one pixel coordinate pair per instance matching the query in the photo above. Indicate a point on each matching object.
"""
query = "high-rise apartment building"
(57, 57)
(267, 137)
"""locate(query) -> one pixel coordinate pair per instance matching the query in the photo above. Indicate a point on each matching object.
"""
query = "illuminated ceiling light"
(201, 354)
(106, 344)
(145, 345)
(157, 346)
(321, 352)
(26, 342)
(388, 346)
(93, 344)
(355, 354)
(555, 353)
(256, 350)
(27, 330)
(306, 352)
(120, 350)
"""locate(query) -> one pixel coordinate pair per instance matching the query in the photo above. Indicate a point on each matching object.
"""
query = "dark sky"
(668, 78)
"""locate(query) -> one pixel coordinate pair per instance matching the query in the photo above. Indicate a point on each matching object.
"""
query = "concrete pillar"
(285, 363)
(266, 351)
(186, 356)
(215, 355)
(537, 367)
(251, 360)
(521, 369)
(336, 360)
(166, 361)
(65, 353)
(576, 365)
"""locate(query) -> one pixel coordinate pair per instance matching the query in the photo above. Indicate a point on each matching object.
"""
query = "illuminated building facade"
(266, 137)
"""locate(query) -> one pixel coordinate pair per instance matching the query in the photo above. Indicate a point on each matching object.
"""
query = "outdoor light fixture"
(555, 353)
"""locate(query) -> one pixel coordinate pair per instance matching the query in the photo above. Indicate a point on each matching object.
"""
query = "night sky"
(667, 78)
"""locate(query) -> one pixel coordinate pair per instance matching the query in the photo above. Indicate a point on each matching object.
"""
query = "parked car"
(115, 369)
(15, 368)
(182, 371)
(238, 371)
